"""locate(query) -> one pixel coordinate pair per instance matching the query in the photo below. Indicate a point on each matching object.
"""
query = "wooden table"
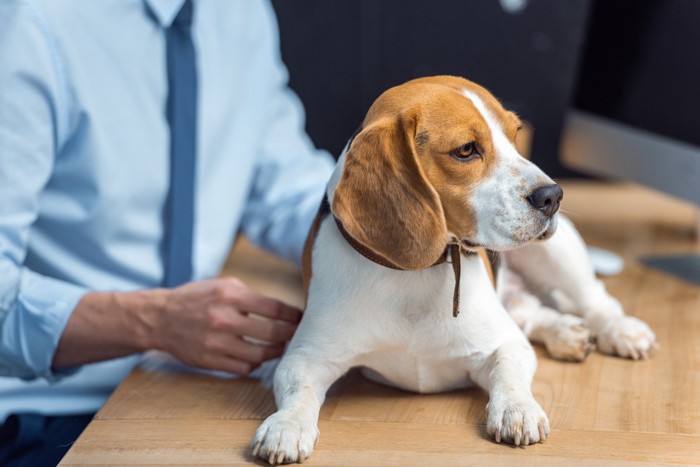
(605, 411)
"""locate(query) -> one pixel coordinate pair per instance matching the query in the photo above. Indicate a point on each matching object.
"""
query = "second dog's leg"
(290, 434)
(513, 414)
(560, 271)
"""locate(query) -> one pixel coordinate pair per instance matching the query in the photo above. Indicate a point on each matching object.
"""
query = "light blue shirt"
(84, 168)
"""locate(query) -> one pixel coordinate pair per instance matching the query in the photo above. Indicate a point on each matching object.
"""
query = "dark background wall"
(343, 53)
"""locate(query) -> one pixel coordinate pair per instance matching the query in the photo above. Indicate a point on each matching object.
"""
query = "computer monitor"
(637, 105)
(636, 114)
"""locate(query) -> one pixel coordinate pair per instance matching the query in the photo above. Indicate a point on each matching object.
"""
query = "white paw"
(568, 339)
(628, 337)
(284, 438)
(518, 421)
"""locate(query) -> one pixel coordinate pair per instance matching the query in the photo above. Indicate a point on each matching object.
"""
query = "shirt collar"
(164, 10)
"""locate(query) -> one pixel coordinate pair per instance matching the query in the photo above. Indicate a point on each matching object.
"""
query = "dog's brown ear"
(384, 199)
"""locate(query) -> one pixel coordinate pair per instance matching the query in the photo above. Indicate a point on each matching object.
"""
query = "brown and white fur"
(405, 187)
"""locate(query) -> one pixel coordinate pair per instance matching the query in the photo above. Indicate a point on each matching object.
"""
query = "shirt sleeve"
(34, 309)
(291, 174)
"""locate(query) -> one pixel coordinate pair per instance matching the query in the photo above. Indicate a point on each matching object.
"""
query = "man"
(137, 138)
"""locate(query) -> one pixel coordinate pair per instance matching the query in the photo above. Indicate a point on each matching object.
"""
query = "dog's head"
(435, 162)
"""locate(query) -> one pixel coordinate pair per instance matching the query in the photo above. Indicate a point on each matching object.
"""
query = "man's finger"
(267, 330)
(229, 365)
(252, 302)
(254, 353)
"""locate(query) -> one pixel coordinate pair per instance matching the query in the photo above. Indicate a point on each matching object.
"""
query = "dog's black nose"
(546, 199)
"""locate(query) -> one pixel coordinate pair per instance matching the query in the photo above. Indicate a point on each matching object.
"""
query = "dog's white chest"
(438, 351)
(420, 366)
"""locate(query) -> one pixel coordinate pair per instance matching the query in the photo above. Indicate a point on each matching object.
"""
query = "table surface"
(605, 411)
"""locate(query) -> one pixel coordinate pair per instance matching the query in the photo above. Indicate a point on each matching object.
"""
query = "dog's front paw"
(628, 337)
(569, 339)
(517, 421)
(284, 438)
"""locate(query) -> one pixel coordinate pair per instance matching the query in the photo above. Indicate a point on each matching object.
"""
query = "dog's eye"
(466, 152)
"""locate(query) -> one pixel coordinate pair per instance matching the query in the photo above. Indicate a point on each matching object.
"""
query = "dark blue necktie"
(182, 117)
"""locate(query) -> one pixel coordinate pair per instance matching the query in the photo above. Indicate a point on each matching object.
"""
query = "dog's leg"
(300, 383)
(565, 336)
(513, 414)
(559, 270)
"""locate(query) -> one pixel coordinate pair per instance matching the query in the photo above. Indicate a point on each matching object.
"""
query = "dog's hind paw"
(627, 337)
(519, 422)
(283, 439)
(568, 339)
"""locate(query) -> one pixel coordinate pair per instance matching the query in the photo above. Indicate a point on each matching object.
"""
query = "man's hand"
(222, 324)
(219, 324)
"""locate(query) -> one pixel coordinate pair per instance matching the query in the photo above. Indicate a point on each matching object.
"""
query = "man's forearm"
(108, 325)
(204, 324)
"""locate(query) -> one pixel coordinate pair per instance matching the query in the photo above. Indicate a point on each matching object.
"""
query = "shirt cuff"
(32, 330)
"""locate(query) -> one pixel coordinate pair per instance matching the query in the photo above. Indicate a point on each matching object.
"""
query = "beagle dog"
(397, 282)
